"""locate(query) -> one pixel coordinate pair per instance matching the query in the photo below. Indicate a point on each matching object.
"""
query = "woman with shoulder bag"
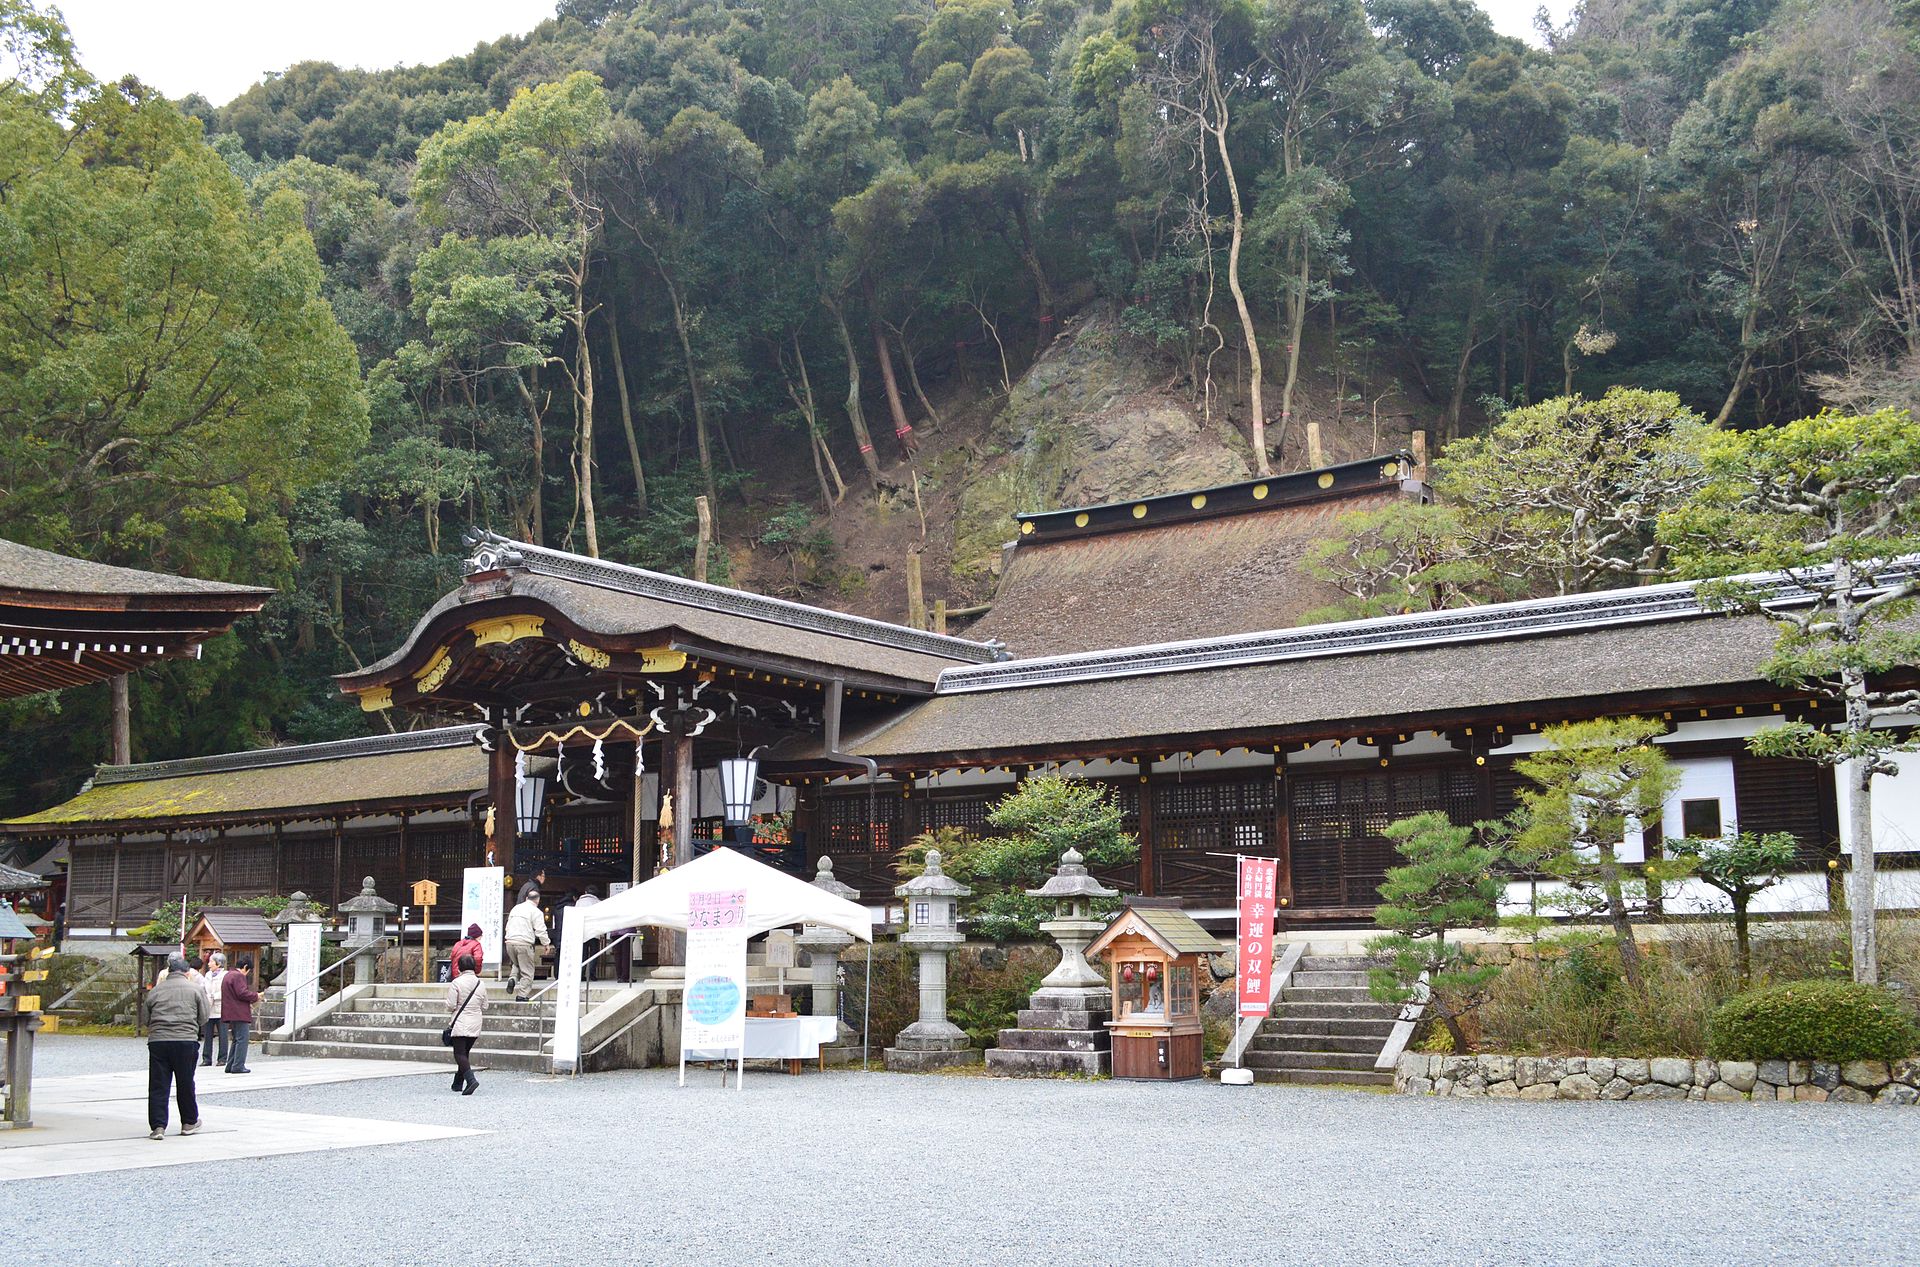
(467, 1001)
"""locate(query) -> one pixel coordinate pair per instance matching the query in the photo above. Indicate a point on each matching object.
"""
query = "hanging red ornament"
(1126, 974)
(1153, 972)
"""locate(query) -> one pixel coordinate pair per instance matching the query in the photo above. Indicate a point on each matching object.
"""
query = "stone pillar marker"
(933, 1041)
(823, 944)
(1063, 1029)
(366, 924)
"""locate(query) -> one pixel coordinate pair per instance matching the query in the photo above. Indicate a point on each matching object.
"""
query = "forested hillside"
(801, 255)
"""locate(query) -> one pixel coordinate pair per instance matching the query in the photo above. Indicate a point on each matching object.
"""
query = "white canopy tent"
(774, 900)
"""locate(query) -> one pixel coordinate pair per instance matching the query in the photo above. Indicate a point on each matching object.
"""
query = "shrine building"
(550, 706)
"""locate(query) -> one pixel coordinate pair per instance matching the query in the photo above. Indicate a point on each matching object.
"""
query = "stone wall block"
(1552, 1068)
(1671, 1070)
(1497, 1068)
(1825, 1076)
(1907, 1071)
(1897, 1093)
(1633, 1070)
(1696, 1093)
(1657, 1091)
(1618, 1089)
(1540, 1091)
(1579, 1086)
(1741, 1075)
(1526, 1071)
(1851, 1095)
(1600, 1069)
(1576, 1064)
(1774, 1072)
(1419, 1086)
(1798, 1071)
(1705, 1073)
(1808, 1092)
(1868, 1075)
(1443, 1086)
(1764, 1091)
(1723, 1091)
(1503, 1091)
(1473, 1085)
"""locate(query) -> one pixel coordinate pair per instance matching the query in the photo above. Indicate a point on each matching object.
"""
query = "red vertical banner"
(1258, 880)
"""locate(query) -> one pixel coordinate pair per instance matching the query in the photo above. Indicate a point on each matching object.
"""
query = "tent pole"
(866, 1013)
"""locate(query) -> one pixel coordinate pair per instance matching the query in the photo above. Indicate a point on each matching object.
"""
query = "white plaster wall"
(1896, 808)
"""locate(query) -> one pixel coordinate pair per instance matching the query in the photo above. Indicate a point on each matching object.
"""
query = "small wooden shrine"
(233, 931)
(1156, 964)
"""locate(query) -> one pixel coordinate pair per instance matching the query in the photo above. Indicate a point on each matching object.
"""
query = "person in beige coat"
(467, 1006)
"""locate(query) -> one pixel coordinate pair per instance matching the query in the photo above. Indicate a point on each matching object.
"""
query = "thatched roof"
(624, 607)
(1102, 576)
(24, 569)
(423, 769)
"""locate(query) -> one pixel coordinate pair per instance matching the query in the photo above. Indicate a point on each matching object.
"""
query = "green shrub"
(1812, 1020)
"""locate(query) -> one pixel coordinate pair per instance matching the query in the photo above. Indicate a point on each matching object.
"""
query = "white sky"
(218, 47)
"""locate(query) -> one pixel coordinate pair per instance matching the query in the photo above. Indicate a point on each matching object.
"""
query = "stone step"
(394, 1037)
(1056, 1039)
(484, 1058)
(1287, 1040)
(1326, 994)
(437, 991)
(1324, 1077)
(1259, 1058)
(1036, 1018)
(420, 1019)
(1376, 1029)
(1336, 1011)
(496, 1005)
(1333, 963)
(1324, 979)
(1015, 1063)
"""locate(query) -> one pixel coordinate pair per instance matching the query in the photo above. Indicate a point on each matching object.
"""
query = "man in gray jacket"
(176, 1017)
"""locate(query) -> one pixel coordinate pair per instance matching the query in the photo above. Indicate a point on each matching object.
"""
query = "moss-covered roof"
(312, 779)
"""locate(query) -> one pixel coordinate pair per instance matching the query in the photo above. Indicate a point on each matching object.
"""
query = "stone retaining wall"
(1657, 1078)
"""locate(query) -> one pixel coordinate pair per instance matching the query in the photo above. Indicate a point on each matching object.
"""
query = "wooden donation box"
(1156, 961)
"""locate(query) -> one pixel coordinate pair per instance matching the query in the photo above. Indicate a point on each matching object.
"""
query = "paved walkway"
(84, 1123)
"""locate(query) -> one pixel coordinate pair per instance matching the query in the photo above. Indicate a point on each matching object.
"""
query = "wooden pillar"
(913, 815)
(279, 878)
(1283, 831)
(113, 902)
(406, 875)
(1316, 452)
(1147, 883)
(122, 722)
(339, 848)
(1419, 454)
(676, 775)
(500, 796)
(219, 863)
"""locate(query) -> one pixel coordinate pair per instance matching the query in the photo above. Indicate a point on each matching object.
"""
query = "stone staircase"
(1325, 1029)
(106, 997)
(403, 1022)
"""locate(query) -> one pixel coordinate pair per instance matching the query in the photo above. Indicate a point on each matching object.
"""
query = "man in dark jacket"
(237, 997)
(176, 1014)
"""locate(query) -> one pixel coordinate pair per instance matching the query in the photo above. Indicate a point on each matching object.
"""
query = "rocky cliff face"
(1088, 422)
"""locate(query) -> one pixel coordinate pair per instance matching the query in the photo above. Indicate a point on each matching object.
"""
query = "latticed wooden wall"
(1337, 822)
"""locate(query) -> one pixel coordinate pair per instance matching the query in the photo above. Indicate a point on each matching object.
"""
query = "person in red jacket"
(468, 945)
(237, 997)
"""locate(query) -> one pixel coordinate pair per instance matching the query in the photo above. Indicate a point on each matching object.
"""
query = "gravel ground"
(872, 1168)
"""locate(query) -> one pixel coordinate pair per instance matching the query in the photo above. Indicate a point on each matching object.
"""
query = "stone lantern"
(933, 928)
(366, 925)
(298, 910)
(1063, 1028)
(823, 944)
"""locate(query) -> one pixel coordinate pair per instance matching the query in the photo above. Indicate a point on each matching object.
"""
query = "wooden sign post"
(425, 894)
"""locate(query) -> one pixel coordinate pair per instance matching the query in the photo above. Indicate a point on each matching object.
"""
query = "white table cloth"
(780, 1038)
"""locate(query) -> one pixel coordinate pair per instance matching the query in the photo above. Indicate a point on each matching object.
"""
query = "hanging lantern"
(1153, 972)
(530, 803)
(737, 778)
(1126, 973)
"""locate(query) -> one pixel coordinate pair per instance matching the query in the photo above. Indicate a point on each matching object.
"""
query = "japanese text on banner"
(1259, 879)
(716, 992)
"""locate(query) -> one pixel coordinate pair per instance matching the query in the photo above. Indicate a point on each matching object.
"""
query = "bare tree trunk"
(703, 511)
(626, 411)
(1740, 380)
(700, 438)
(1470, 340)
(535, 515)
(823, 463)
(902, 429)
(855, 415)
(583, 394)
(1297, 328)
(1622, 925)
(1218, 127)
(913, 376)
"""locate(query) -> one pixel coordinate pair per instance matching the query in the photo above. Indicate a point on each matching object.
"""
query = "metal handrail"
(546, 1034)
(620, 1033)
(292, 993)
